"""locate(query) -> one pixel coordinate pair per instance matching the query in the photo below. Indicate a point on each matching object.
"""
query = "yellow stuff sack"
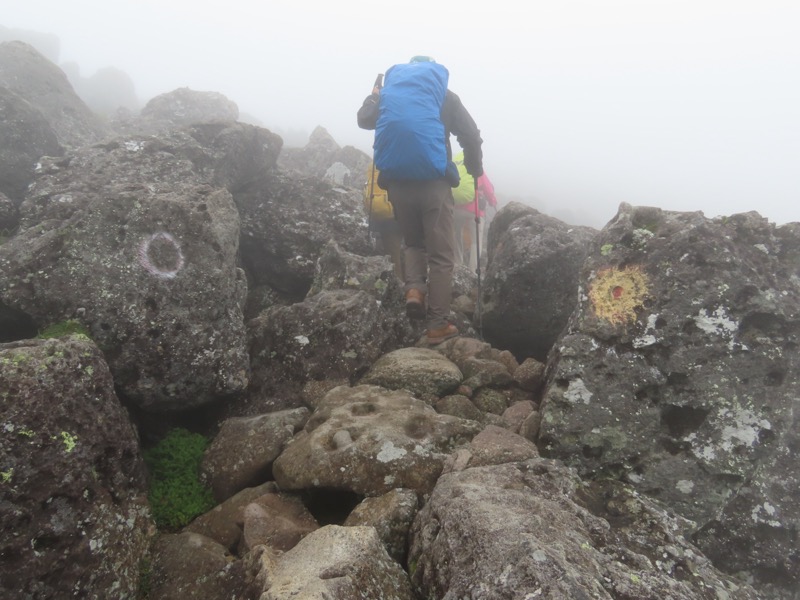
(376, 199)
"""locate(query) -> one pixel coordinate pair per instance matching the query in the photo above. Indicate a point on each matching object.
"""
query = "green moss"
(69, 327)
(176, 494)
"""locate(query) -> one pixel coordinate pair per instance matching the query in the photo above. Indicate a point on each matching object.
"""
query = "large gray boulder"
(24, 71)
(137, 240)
(531, 530)
(73, 505)
(531, 284)
(680, 373)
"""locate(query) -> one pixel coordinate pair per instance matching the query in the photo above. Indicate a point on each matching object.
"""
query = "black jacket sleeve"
(368, 113)
(460, 123)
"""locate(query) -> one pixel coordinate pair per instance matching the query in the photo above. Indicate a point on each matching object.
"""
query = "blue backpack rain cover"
(409, 133)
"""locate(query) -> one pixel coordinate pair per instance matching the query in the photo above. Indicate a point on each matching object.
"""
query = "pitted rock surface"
(388, 441)
(680, 372)
(527, 530)
(73, 505)
(531, 285)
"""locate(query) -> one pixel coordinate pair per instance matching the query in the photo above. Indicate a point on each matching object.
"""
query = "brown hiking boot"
(415, 304)
(445, 332)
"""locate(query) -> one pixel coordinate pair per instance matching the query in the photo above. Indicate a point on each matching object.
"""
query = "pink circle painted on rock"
(160, 270)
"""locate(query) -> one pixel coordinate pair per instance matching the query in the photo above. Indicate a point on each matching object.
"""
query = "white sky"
(582, 104)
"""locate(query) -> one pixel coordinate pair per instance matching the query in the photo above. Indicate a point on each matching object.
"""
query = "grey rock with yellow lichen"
(680, 372)
(74, 518)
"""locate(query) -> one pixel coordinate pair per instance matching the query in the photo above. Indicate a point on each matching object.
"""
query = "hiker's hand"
(376, 90)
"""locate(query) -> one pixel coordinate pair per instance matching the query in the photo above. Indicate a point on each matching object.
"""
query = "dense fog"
(681, 104)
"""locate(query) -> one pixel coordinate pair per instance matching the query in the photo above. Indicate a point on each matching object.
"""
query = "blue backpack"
(409, 134)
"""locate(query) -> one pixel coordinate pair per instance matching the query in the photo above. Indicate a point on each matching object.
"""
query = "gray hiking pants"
(424, 210)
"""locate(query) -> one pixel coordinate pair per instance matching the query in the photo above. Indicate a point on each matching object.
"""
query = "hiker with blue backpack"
(413, 115)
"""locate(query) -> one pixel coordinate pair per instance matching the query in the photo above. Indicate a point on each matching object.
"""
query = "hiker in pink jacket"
(464, 216)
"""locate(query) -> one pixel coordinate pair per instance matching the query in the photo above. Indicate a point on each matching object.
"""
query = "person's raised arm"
(461, 124)
(368, 113)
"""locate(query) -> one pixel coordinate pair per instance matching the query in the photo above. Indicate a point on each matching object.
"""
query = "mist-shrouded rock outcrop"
(25, 136)
(107, 92)
(323, 158)
(73, 507)
(24, 71)
(531, 279)
(47, 44)
(179, 108)
(680, 373)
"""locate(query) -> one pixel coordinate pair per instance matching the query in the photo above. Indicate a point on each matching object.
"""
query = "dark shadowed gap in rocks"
(330, 507)
(290, 289)
(153, 426)
(15, 325)
(680, 421)
(763, 536)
